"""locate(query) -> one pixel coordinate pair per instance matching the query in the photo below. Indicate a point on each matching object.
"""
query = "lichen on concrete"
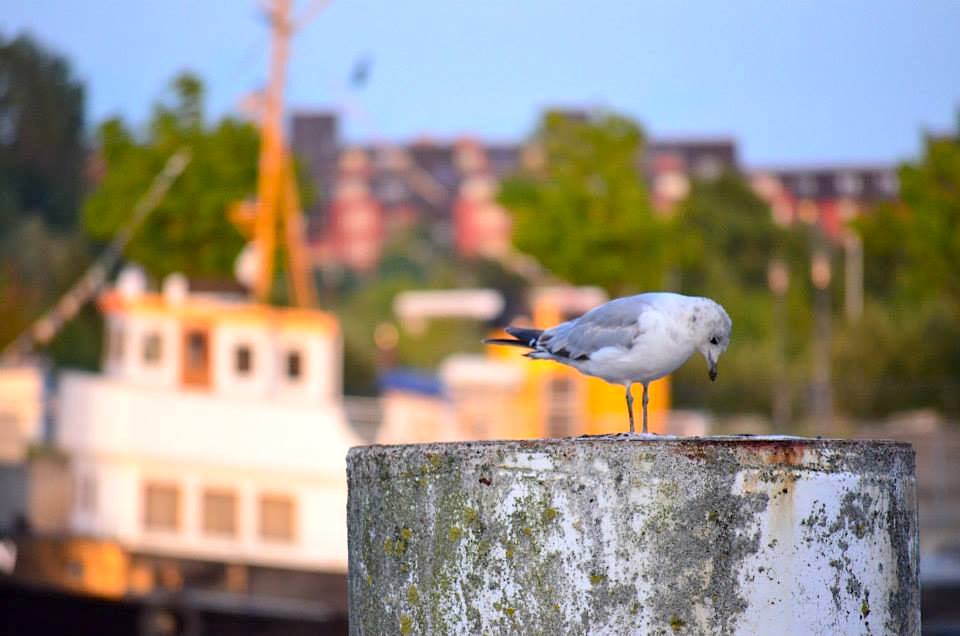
(633, 535)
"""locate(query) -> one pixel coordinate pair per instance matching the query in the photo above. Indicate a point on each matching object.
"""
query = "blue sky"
(793, 82)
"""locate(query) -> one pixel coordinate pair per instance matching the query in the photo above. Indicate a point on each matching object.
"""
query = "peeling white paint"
(528, 461)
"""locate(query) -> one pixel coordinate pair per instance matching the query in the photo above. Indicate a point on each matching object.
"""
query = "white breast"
(656, 352)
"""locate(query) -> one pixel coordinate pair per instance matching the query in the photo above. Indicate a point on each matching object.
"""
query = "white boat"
(216, 430)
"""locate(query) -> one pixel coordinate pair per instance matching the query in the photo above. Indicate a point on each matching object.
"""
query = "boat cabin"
(216, 431)
(215, 344)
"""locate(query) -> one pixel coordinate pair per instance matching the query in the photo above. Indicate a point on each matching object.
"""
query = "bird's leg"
(630, 405)
(646, 398)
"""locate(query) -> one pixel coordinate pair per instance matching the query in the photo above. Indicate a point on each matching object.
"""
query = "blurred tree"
(189, 232)
(42, 157)
(37, 265)
(930, 189)
(735, 239)
(885, 233)
(41, 135)
(909, 330)
(367, 307)
(585, 213)
(409, 264)
(734, 231)
(359, 315)
(914, 359)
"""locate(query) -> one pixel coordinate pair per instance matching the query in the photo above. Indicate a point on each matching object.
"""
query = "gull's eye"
(714, 341)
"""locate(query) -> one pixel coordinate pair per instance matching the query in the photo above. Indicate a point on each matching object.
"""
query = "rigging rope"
(46, 327)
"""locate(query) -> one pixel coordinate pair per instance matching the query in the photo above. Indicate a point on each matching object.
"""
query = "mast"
(275, 216)
(271, 150)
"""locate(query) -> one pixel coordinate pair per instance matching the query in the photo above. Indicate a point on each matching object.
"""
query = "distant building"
(365, 193)
(671, 164)
(482, 227)
(828, 195)
(315, 142)
(355, 223)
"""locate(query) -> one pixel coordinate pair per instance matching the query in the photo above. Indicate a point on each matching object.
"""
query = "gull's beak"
(713, 369)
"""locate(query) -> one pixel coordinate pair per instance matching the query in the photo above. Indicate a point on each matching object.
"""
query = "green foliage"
(409, 264)
(37, 265)
(189, 232)
(41, 136)
(914, 354)
(930, 190)
(912, 247)
(79, 344)
(41, 172)
(909, 330)
(585, 215)
(735, 239)
(885, 233)
(734, 232)
(36, 261)
(359, 315)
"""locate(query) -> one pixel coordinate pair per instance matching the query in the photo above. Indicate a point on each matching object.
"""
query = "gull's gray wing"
(617, 323)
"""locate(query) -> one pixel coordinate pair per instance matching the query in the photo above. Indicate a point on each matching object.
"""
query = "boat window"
(294, 365)
(152, 348)
(277, 521)
(195, 364)
(161, 507)
(243, 359)
(219, 513)
(196, 350)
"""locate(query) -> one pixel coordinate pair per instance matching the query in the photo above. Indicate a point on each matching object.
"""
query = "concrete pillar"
(619, 535)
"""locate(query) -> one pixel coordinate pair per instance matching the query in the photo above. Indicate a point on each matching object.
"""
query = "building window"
(243, 359)
(849, 184)
(672, 186)
(888, 183)
(219, 513)
(294, 365)
(708, 168)
(277, 518)
(161, 507)
(391, 191)
(152, 348)
(805, 186)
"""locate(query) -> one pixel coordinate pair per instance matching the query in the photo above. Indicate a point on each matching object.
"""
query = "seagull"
(632, 339)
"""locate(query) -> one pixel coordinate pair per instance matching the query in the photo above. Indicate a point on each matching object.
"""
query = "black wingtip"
(510, 342)
(527, 336)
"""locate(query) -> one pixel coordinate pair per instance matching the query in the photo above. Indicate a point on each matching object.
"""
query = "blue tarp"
(411, 381)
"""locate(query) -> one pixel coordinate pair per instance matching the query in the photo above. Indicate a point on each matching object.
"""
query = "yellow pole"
(271, 151)
(298, 264)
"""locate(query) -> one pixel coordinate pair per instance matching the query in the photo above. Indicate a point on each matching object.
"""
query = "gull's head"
(711, 327)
